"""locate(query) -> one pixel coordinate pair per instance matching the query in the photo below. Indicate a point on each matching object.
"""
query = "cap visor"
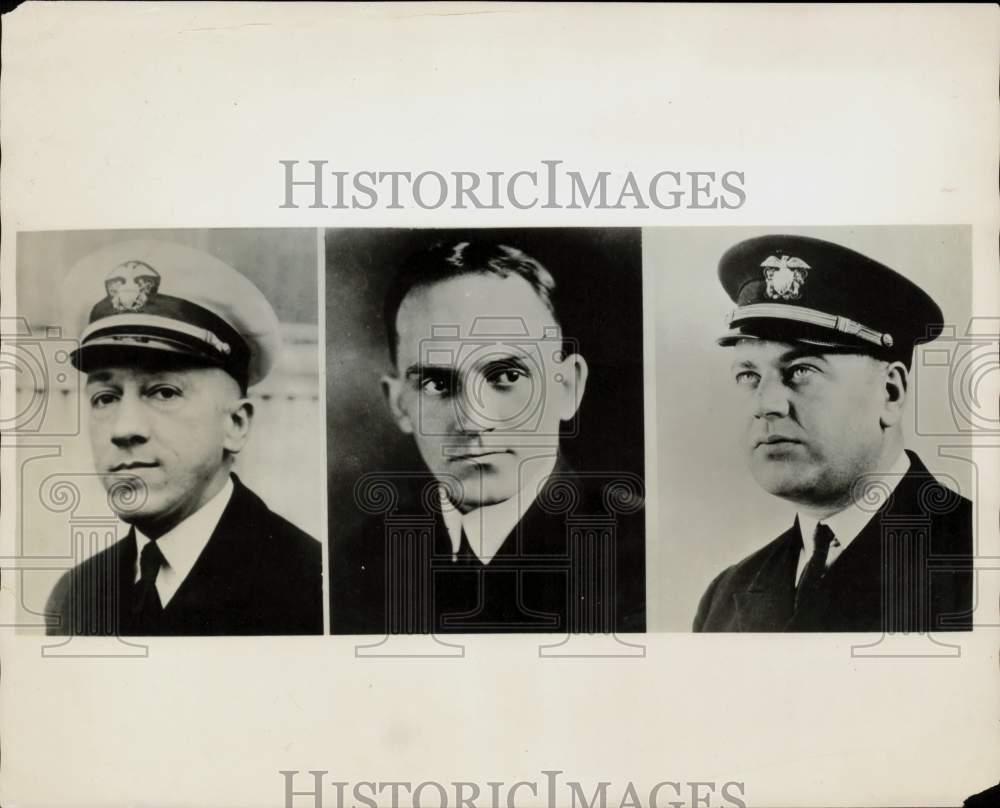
(793, 335)
(137, 351)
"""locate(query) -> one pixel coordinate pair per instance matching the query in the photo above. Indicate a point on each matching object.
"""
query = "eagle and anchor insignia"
(131, 285)
(785, 276)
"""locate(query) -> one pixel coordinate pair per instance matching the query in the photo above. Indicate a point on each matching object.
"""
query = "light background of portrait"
(716, 512)
(599, 294)
(282, 462)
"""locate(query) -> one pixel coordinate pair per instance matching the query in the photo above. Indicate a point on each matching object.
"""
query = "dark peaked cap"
(801, 289)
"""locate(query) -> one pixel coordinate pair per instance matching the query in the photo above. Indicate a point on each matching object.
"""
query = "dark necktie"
(147, 608)
(813, 573)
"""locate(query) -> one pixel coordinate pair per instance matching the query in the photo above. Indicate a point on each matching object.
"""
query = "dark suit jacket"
(908, 570)
(574, 563)
(258, 574)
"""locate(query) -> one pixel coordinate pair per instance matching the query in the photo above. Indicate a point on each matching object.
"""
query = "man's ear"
(236, 427)
(895, 383)
(392, 389)
(571, 381)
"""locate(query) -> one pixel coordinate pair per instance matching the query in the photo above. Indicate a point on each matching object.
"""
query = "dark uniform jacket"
(908, 570)
(258, 574)
(573, 563)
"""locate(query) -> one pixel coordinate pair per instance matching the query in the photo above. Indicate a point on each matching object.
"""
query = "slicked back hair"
(448, 260)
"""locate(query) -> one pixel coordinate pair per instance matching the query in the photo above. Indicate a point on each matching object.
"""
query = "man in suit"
(169, 349)
(498, 534)
(823, 339)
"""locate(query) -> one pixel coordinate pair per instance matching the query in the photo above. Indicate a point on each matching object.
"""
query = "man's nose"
(478, 407)
(130, 425)
(771, 398)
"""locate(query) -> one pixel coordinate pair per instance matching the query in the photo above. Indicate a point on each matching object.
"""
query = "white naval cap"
(138, 296)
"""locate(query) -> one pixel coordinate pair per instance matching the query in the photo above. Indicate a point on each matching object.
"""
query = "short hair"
(447, 260)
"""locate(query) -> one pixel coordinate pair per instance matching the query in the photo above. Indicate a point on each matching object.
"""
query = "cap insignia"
(130, 285)
(784, 276)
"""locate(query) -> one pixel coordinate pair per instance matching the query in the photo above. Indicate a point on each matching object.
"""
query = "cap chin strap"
(123, 321)
(801, 314)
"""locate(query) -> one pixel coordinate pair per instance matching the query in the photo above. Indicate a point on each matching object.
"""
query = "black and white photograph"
(485, 431)
(174, 392)
(499, 405)
(810, 436)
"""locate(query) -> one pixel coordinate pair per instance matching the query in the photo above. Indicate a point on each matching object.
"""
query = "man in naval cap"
(170, 340)
(823, 339)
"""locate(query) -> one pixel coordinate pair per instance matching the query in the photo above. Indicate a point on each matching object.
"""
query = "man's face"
(481, 383)
(813, 421)
(170, 429)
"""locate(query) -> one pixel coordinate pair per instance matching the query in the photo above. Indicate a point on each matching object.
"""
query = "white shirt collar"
(182, 545)
(848, 523)
(487, 528)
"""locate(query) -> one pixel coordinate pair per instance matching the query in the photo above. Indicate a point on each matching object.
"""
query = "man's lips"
(133, 465)
(775, 440)
(477, 454)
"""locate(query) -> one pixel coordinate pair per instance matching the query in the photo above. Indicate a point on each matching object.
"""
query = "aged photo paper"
(498, 404)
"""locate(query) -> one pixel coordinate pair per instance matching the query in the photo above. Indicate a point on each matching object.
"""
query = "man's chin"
(129, 500)
(479, 485)
(781, 478)
(473, 496)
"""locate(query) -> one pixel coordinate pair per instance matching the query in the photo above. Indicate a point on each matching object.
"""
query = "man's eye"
(102, 399)
(505, 377)
(747, 377)
(164, 393)
(799, 373)
(435, 386)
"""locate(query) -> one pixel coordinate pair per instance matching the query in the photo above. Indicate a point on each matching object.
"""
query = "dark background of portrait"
(598, 274)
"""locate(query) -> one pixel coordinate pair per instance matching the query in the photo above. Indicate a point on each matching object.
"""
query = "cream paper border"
(175, 115)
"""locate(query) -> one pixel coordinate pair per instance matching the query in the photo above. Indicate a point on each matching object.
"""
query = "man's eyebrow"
(511, 361)
(419, 369)
(803, 353)
(744, 363)
(98, 376)
(494, 360)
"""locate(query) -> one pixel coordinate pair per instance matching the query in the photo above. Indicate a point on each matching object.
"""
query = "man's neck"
(891, 463)
(487, 526)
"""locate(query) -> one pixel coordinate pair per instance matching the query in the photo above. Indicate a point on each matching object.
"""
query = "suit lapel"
(767, 602)
(215, 583)
(538, 532)
(127, 554)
